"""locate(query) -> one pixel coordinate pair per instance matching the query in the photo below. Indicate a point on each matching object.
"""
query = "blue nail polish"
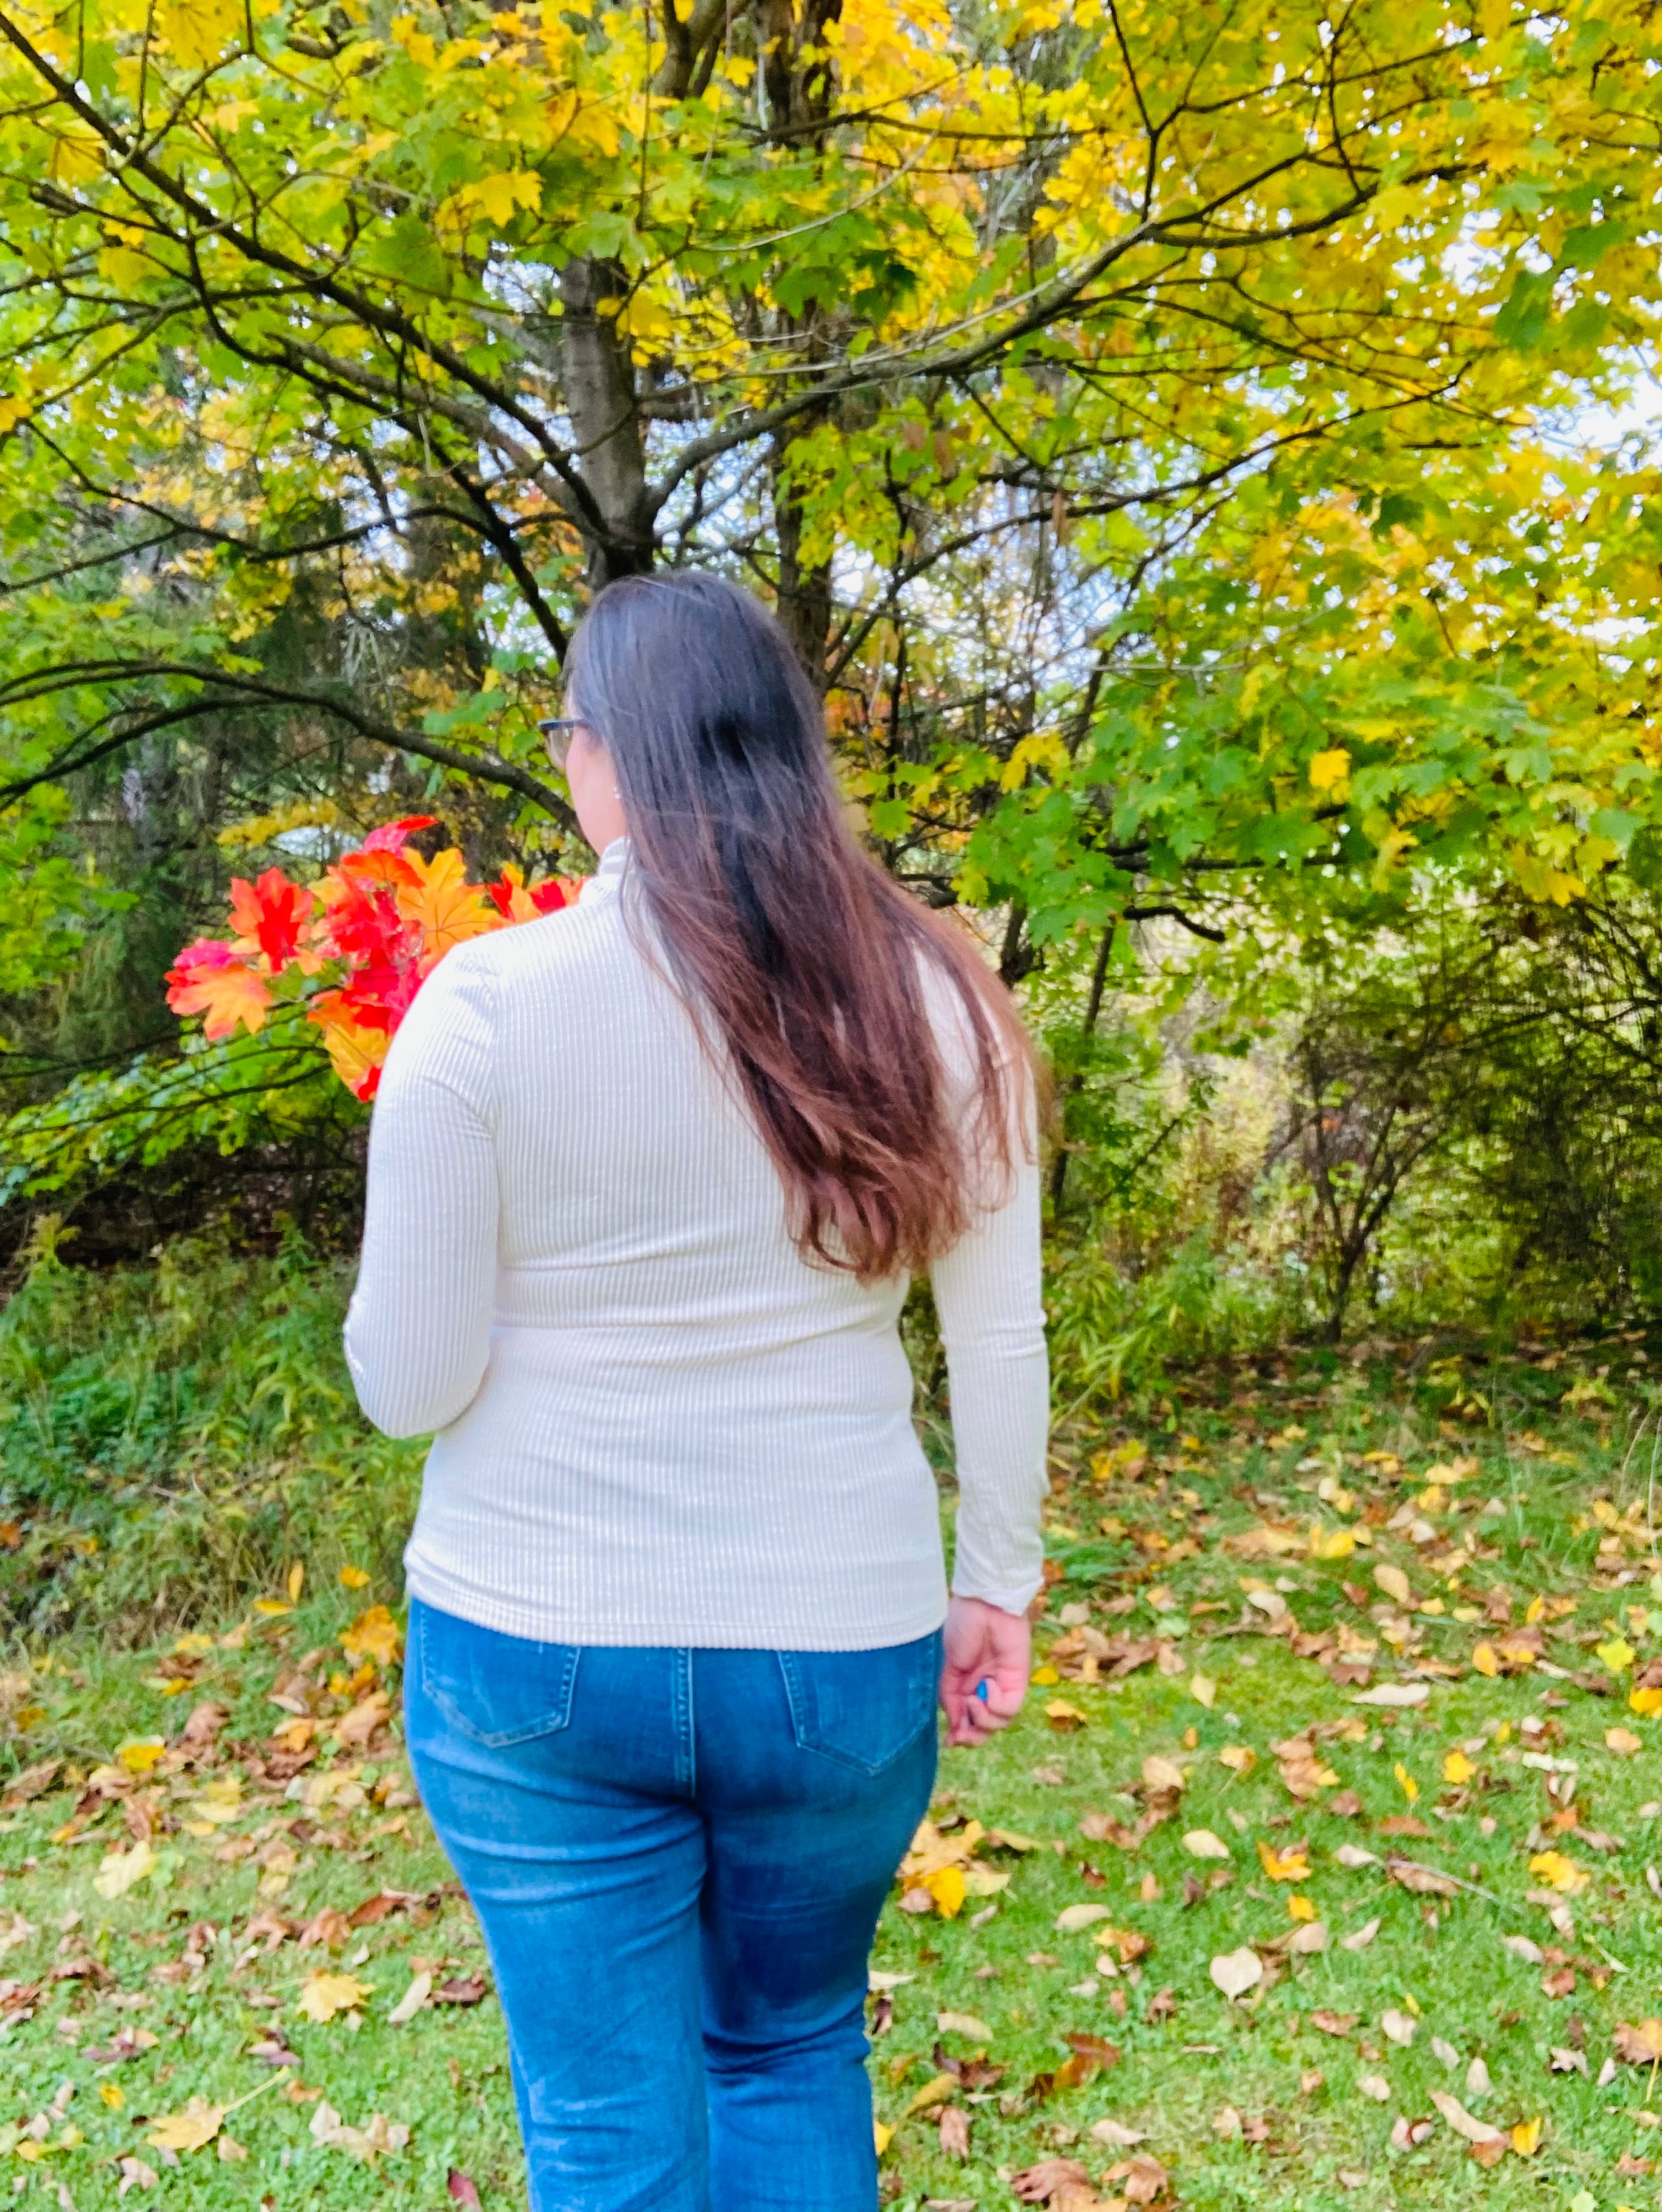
(980, 1689)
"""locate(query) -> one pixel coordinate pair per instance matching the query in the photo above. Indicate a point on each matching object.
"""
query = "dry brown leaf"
(955, 2131)
(1037, 2184)
(1235, 1972)
(1463, 2123)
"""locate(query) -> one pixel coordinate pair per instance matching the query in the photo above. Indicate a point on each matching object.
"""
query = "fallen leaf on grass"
(1524, 1948)
(1395, 1584)
(955, 2131)
(1201, 1843)
(1291, 1865)
(460, 2187)
(1360, 1938)
(1464, 2124)
(325, 1995)
(330, 1928)
(378, 2137)
(1376, 2087)
(354, 1728)
(1401, 1695)
(461, 1990)
(1234, 1972)
(1118, 2135)
(1398, 2025)
(411, 2002)
(125, 2043)
(34, 1782)
(1562, 2059)
(934, 2092)
(1073, 1918)
(1037, 2184)
(1423, 1881)
(1333, 2023)
(135, 2174)
(1141, 2180)
(1095, 2050)
(964, 2023)
(191, 2129)
(1560, 1872)
(140, 1752)
(120, 1871)
(1622, 1741)
(372, 1635)
(1639, 2044)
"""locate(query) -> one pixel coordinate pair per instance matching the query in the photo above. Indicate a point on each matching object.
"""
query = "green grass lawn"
(1437, 1914)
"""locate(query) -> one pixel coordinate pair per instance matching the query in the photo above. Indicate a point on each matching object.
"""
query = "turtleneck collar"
(606, 878)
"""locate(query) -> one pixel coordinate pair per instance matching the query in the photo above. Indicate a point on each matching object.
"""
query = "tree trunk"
(1087, 1031)
(601, 398)
(804, 594)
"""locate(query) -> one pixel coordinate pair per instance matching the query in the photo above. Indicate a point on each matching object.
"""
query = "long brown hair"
(830, 989)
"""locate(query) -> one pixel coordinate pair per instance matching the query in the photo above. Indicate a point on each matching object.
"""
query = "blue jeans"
(677, 1859)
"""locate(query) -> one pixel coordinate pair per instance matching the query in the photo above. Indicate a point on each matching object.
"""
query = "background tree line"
(1194, 453)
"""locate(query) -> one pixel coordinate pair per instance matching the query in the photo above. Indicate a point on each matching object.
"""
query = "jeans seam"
(686, 1757)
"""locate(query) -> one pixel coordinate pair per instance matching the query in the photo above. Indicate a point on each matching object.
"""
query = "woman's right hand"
(983, 1644)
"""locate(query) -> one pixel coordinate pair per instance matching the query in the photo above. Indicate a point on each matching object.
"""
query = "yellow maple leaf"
(1458, 1768)
(949, 1889)
(1526, 2137)
(1330, 771)
(446, 907)
(1618, 1655)
(1299, 1907)
(325, 1995)
(372, 1635)
(120, 1870)
(1291, 1865)
(193, 2129)
(1485, 1659)
(1411, 1788)
(1645, 1701)
(1558, 1872)
(498, 197)
(354, 1579)
(140, 1752)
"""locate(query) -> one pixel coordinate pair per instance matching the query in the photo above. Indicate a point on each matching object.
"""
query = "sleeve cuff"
(1014, 1599)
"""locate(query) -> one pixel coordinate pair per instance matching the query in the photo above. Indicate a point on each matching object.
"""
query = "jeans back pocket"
(499, 1690)
(862, 1708)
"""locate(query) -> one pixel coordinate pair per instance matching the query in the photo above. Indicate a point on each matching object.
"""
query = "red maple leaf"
(271, 913)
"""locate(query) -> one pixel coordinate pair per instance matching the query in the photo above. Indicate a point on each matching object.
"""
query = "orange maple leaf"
(446, 907)
(209, 979)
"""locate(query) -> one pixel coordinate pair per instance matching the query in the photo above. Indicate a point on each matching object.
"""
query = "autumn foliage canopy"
(354, 947)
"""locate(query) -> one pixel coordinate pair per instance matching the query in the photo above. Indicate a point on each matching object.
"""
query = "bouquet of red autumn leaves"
(354, 947)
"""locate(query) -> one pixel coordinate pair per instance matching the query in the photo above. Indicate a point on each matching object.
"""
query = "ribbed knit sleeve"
(989, 1300)
(418, 1331)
